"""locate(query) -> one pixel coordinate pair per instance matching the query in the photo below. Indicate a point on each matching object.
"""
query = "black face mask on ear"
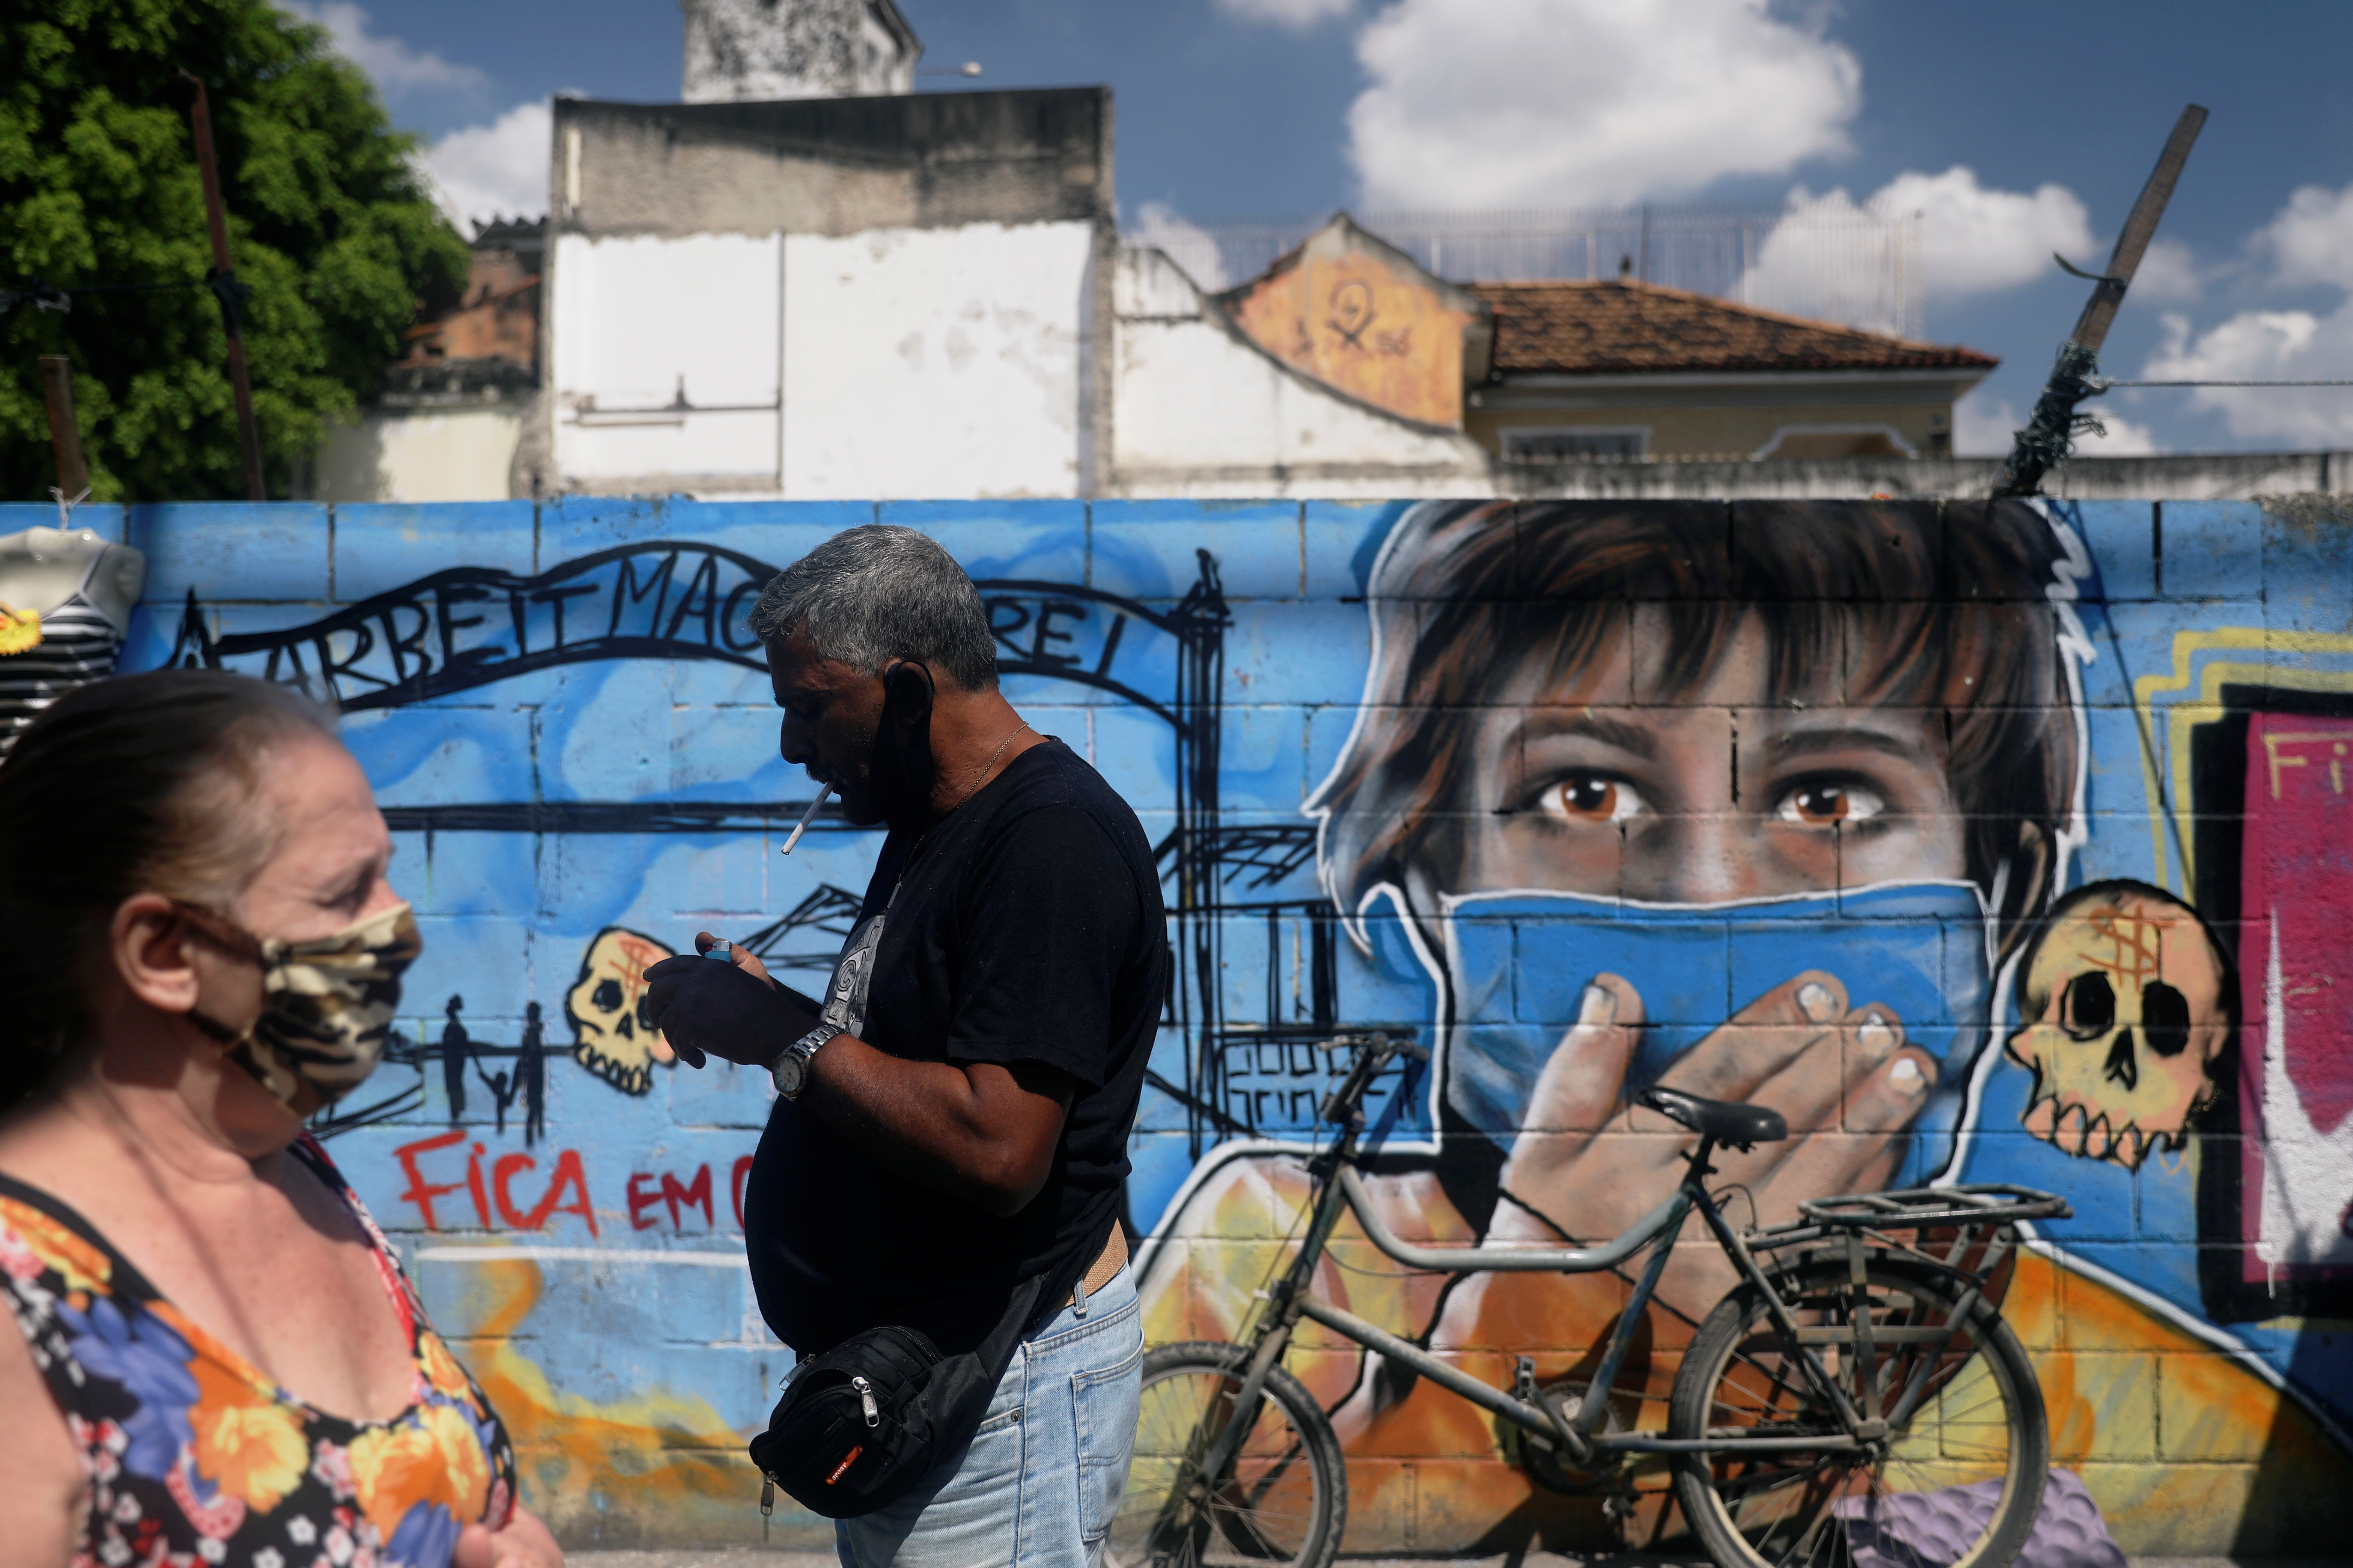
(904, 769)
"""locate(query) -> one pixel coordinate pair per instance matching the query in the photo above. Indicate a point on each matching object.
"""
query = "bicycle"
(1857, 1390)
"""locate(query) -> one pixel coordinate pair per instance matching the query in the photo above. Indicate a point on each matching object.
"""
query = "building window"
(1836, 441)
(1576, 444)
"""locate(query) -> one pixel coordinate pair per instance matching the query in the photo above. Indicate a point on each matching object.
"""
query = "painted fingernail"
(1597, 1009)
(1907, 1077)
(1814, 999)
(1876, 1039)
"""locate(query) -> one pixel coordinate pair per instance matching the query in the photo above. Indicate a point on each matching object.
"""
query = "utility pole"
(65, 432)
(2043, 444)
(228, 290)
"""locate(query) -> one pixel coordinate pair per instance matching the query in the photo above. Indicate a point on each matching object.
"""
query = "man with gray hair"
(952, 1123)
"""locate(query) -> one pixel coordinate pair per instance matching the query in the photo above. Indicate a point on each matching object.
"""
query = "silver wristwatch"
(790, 1070)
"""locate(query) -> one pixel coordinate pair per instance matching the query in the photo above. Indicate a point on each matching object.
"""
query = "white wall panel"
(933, 362)
(642, 323)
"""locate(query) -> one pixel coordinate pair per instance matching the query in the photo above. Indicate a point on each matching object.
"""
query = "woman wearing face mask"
(220, 1360)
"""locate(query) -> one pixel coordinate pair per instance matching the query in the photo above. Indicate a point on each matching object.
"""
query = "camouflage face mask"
(327, 1004)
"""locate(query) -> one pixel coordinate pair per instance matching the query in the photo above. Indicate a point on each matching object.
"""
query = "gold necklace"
(990, 764)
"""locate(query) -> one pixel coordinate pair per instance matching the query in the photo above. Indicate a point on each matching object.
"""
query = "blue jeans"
(1041, 1480)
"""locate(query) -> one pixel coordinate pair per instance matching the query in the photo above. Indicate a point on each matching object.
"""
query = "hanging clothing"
(194, 1455)
(77, 645)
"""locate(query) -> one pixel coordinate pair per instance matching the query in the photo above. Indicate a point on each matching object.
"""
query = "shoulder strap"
(314, 1153)
(314, 1157)
(126, 1280)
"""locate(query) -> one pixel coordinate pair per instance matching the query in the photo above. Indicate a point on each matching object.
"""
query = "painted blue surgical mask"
(1520, 963)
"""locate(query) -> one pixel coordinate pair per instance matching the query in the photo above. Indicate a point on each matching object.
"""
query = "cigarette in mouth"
(807, 817)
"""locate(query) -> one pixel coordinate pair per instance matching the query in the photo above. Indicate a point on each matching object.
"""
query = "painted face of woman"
(1704, 847)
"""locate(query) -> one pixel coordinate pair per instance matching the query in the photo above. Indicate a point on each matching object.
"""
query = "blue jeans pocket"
(1104, 1406)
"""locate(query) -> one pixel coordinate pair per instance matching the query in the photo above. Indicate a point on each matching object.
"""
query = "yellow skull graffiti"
(610, 1034)
(2124, 1013)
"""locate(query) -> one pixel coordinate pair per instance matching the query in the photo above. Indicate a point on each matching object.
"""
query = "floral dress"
(194, 1456)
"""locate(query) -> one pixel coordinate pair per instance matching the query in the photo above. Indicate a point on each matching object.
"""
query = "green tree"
(329, 226)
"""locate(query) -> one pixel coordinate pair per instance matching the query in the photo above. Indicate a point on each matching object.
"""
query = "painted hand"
(1592, 1166)
(525, 1542)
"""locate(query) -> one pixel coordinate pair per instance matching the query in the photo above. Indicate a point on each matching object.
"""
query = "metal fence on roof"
(1831, 263)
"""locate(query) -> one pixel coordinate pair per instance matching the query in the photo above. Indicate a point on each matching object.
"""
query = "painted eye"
(2087, 1009)
(1829, 804)
(1591, 798)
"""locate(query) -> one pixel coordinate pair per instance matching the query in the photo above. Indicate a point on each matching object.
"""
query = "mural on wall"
(1986, 842)
(2128, 1003)
(611, 1034)
(1360, 316)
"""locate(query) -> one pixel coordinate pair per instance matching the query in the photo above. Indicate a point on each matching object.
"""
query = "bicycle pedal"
(1524, 1384)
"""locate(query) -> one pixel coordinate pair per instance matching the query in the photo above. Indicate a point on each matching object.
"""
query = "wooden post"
(225, 288)
(65, 434)
(2050, 431)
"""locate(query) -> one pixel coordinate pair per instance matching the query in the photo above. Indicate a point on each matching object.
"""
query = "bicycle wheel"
(1282, 1499)
(1958, 1485)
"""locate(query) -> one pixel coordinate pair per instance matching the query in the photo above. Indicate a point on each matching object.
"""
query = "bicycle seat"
(1718, 1118)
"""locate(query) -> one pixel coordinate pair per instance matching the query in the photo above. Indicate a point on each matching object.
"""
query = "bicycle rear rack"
(1972, 1229)
(1983, 1204)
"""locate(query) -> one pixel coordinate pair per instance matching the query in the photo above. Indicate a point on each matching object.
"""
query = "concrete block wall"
(1846, 802)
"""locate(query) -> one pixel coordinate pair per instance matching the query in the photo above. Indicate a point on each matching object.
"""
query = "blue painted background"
(641, 1331)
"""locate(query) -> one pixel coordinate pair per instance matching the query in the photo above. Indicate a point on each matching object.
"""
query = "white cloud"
(1984, 427)
(499, 170)
(2311, 239)
(1481, 103)
(1187, 244)
(1973, 239)
(394, 67)
(1846, 260)
(2169, 275)
(2266, 345)
(2121, 437)
(1294, 14)
(2307, 242)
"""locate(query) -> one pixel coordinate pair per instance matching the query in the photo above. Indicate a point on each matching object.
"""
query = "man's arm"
(983, 1132)
(1052, 909)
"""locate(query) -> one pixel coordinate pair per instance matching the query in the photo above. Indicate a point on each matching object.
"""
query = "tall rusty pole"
(2050, 432)
(65, 431)
(225, 288)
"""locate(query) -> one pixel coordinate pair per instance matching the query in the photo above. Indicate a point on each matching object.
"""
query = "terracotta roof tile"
(1617, 329)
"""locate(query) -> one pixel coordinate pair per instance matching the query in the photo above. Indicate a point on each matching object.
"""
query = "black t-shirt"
(1026, 926)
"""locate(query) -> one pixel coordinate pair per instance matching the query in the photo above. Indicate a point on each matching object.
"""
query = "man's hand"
(1843, 1076)
(523, 1542)
(981, 1132)
(732, 1011)
(743, 957)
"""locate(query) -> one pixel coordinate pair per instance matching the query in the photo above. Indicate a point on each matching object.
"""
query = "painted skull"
(606, 1007)
(2124, 1012)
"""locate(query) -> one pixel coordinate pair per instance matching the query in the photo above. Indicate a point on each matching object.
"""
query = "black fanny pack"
(860, 1425)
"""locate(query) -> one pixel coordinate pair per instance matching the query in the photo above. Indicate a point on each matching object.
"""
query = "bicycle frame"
(1340, 1186)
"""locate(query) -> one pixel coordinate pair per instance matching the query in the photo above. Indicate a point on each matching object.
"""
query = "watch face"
(790, 1073)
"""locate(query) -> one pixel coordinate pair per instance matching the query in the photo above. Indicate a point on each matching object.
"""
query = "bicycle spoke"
(1277, 1499)
(1798, 1508)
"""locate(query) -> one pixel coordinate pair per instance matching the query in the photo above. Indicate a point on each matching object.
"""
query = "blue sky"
(2014, 127)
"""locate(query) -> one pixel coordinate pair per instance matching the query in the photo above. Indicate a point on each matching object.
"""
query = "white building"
(806, 282)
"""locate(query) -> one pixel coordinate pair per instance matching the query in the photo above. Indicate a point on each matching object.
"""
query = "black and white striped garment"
(77, 646)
